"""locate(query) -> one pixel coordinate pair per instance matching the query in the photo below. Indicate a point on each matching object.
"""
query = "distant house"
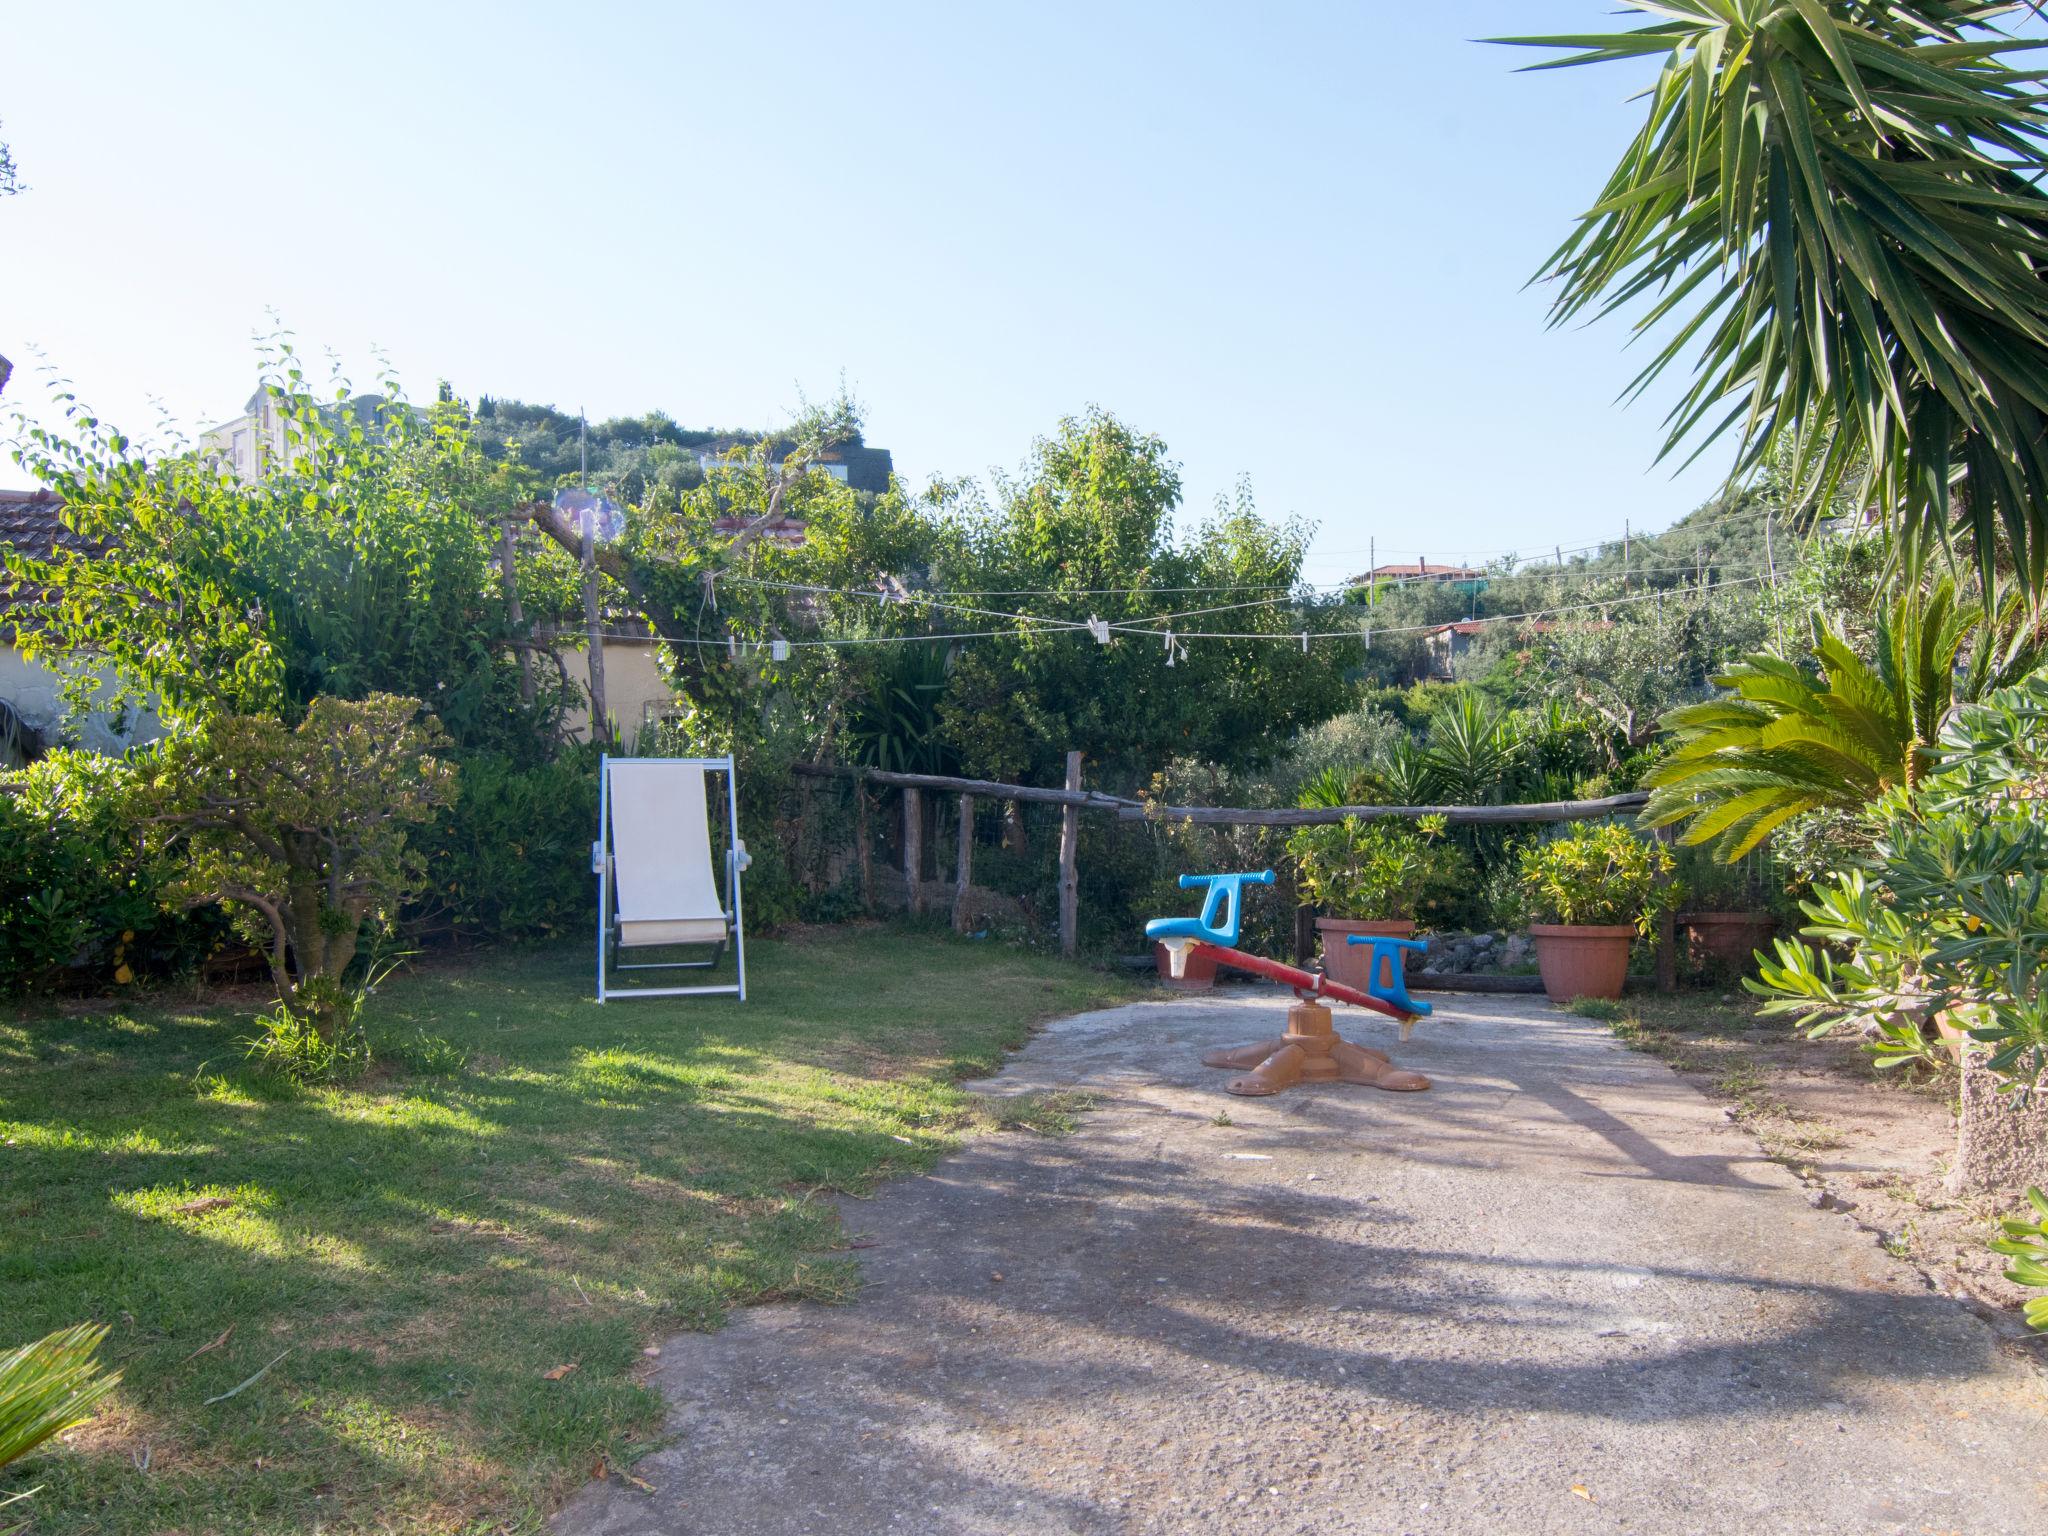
(1465, 578)
(32, 708)
(252, 441)
(854, 465)
(1447, 643)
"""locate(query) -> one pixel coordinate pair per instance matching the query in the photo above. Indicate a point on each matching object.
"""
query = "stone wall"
(2001, 1138)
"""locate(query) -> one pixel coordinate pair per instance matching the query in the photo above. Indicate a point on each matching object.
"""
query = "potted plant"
(1726, 915)
(1371, 877)
(1591, 892)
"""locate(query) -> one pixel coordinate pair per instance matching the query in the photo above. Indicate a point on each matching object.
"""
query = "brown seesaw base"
(1310, 1052)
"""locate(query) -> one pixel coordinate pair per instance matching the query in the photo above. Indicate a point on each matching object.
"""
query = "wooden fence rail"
(1073, 799)
(1455, 815)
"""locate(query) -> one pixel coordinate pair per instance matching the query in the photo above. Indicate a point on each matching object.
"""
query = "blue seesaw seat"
(1386, 955)
(1214, 926)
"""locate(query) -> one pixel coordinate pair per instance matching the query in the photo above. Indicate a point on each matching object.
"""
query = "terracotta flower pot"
(1199, 975)
(1351, 963)
(1582, 961)
(1731, 938)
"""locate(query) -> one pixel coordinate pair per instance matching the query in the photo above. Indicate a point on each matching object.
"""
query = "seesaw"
(1311, 1050)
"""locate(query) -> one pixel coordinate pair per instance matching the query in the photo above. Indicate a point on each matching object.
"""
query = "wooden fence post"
(1070, 880)
(963, 873)
(913, 849)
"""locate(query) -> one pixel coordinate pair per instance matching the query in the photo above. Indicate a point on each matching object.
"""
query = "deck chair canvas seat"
(657, 879)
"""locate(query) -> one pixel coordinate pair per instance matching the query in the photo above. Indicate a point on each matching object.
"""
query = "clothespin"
(732, 646)
(1169, 647)
(1304, 642)
(1367, 635)
(1099, 628)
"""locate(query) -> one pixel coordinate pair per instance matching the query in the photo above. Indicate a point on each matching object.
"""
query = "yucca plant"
(48, 1387)
(1837, 202)
(1785, 741)
(1475, 753)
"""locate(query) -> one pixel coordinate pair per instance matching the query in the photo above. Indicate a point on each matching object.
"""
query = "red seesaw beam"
(1308, 984)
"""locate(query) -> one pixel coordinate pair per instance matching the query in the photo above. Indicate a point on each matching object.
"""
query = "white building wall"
(35, 692)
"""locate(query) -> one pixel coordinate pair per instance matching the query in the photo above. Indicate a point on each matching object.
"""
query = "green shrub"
(510, 858)
(79, 895)
(1378, 869)
(1951, 917)
(1595, 877)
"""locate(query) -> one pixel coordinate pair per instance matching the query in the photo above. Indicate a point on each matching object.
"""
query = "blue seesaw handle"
(1222, 910)
(1388, 949)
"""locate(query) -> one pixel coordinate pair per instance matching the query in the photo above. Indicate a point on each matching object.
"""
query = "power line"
(1288, 637)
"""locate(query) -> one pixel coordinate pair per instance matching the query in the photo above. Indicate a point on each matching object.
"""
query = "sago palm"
(1835, 205)
(49, 1386)
(1786, 741)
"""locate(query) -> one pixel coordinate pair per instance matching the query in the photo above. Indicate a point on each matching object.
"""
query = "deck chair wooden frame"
(656, 885)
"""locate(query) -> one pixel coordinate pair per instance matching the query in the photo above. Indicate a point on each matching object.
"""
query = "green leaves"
(1595, 876)
(2026, 1243)
(1840, 200)
(1376, 870)
(48, 1387)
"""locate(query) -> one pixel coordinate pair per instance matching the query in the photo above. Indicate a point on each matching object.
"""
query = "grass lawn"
(559, 1185)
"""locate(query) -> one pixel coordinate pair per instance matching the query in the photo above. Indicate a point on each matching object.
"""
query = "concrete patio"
(1558, 1292)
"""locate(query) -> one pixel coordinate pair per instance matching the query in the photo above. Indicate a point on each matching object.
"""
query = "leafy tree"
(363, 560)
(1629, 669)
(1787, 743)
(10, 184)
(995, 591)
(1087, 532)
(303, 830)
(1839, 202)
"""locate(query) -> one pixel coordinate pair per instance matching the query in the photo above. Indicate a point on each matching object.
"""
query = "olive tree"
(303, 830)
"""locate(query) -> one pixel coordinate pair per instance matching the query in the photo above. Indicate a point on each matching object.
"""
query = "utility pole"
(1624, 553)
(600, 717)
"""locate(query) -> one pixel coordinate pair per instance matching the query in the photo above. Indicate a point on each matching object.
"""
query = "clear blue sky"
(1291, 240)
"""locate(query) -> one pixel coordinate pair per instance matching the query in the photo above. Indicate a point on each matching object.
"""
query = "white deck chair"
(655, 877)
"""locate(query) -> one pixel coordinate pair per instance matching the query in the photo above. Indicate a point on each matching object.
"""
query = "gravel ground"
(1558, 1292)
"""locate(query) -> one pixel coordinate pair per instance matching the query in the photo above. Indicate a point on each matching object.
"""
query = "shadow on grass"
(424, 1251)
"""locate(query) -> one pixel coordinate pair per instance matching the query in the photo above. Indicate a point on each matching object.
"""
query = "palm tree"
(1837, 203)
(1786, 742)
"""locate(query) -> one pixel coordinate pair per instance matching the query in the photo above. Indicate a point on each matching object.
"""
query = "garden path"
(1558, 1292)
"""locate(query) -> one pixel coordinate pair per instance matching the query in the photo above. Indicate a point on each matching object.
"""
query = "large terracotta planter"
(1199, 975)
(1582, 961)
(1731, 938)
(1349, 963)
